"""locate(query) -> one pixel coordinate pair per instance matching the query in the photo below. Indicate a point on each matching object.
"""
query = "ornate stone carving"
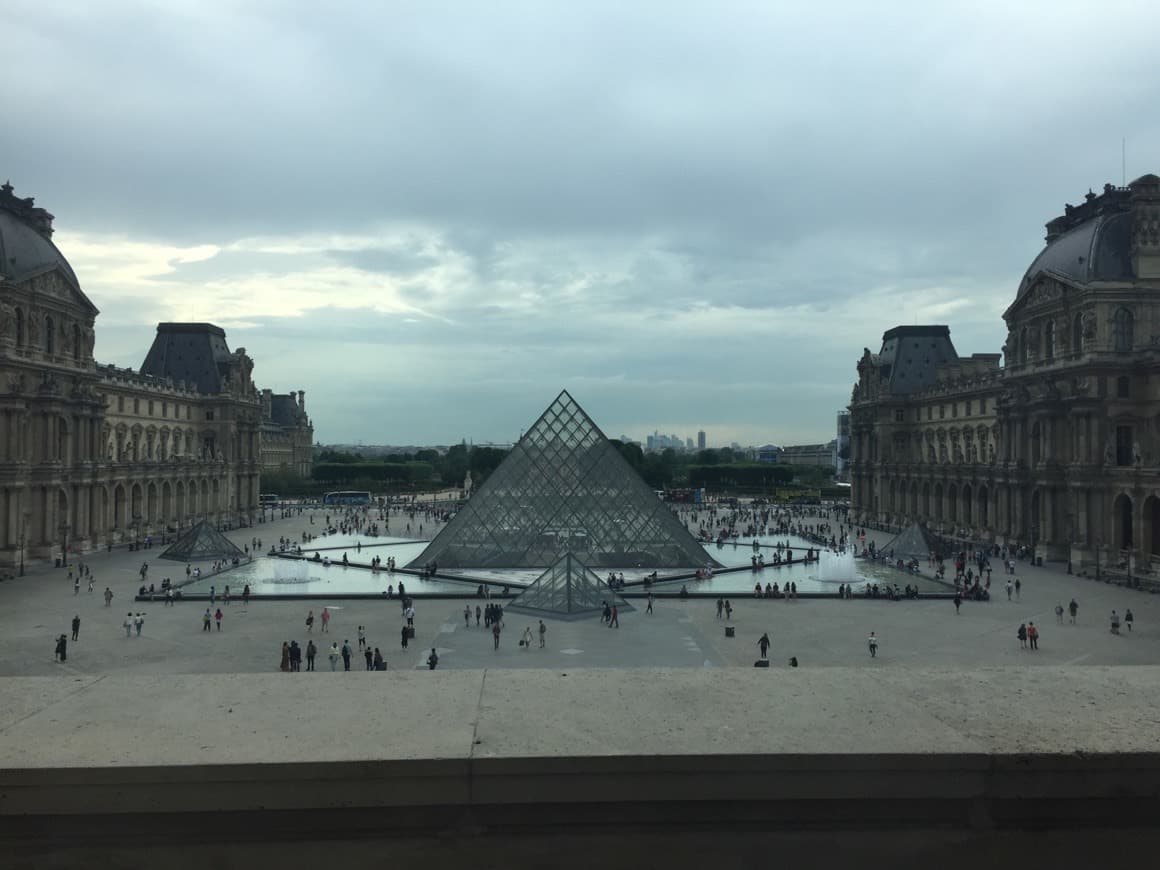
(1088, 325)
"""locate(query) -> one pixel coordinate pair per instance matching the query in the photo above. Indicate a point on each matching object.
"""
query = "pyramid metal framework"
(202, 543)
(567, 590)
(912, 543)
(564, 488)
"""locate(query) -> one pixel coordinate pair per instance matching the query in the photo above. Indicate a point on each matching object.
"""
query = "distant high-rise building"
(701, 440)
(688, 443)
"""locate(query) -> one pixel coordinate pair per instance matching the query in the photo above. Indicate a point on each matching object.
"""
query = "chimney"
(302, 400)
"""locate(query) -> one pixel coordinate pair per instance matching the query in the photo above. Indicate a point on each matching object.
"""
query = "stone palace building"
(1054, 444)
(91, 454)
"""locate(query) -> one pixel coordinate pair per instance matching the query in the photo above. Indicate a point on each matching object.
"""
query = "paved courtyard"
(820, 633)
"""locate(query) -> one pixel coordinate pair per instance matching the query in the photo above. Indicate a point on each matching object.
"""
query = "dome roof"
(1098, 249)
(25, 252)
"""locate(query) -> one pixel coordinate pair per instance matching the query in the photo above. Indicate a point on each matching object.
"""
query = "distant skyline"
(434, 216)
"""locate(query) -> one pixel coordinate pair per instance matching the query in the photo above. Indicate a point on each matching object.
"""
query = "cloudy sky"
(432, 216)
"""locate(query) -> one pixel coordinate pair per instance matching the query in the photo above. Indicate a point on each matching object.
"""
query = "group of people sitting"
(773, 591)
(616, 581)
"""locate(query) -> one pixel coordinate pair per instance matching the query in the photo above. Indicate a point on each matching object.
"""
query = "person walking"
(369, 656)
(245, 596)
(728, 609)
(91, 582)
(362, 637)
(410, 612)
(76, 626)
(1059, 613)
(543, 633)
(467, 616)
(526, 640)
(1018, 588)
(226, 596)
(333, 656)
(958, 602)
(763, 645)
(108, 596)
(650, 602)
(76, 584)
(168, 596)
(1010, 587)
(432, 660)
(1128, 619)
(494, 633)
(218, 618)
(614, 620)
(1115, 622)
(310, 622)
(720, 607)
(1033, 635)
(139, 622)
(478, 614)
(406, 635)
(347, 650)
(128, 625)
(311, 652)
(1022, 635)
(325, 620)
(1073, 609)
(872, 642)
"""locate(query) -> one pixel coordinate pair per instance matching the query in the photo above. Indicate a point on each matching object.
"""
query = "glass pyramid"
(201, 543)
(567, 590)
(564, 488)
(912, 543)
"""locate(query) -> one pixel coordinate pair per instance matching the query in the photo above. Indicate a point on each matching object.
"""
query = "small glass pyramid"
(201, 543)
(564, 488)
(567, 590)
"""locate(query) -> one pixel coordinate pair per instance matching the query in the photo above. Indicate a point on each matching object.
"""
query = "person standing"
(467, 616)
(218, 617)
(410, 611)
(76, 626)
(168, 596)
(325, 620)
(720, 607)
(1128, 619)
(958, 601)
(432, 660)
(139, 622)
(108, 596)
(128, 625)
(379, 664)
(478, 614)
(494, 634)
(76, 584)
(1033, 635)
(295, 657)
(61, 649)
(91, 581)
(311, 652)
(206, 619)
(873, 644)
(1021, 633)
(284, 662)
(1059, 613)
(333, 655)
(347, 651)
(362, 637)
(543, 633)
(728, 609)
(1115, 622)
(763, 645)
(245, 596)
(1009, 588)
(1073, 609)
(369, 656)
(526, 640)
(650, 600)
(406, 635)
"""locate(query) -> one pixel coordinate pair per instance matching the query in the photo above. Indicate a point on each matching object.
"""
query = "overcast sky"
(434, 216)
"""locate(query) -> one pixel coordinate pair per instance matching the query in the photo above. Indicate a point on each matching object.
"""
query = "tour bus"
(347, 497)
(267, 499)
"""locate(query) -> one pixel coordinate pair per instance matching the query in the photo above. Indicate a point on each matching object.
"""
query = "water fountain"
(291, 571)
(837, 567)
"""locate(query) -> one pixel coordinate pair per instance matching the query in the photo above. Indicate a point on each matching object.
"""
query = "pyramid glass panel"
(202, 543)
(564, 488)
(567, 590)
(912, 543)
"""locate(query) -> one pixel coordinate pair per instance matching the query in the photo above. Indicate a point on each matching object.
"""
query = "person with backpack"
(1021, 633)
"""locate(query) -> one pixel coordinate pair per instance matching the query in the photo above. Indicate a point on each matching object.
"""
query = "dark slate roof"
(25, 253)
(1097, 250)
(284, 410)
(911, 355)
(190, 352)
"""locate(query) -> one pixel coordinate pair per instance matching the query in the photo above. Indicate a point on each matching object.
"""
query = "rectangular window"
(929, 412)
(164, 409)
(954, 409)
(189, 412)
(121, 404)
(899, 416)
(982, 406)
(1123, 445)
(967, 408)
(1123, 387)
(942, 411)
(150, 407)
(209, 415)
(136, 406)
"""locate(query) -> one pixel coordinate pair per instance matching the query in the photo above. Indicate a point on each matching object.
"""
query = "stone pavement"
(820, 633)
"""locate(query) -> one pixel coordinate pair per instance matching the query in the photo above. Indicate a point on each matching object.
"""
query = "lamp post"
(64, 527)
(23, 539)
(136, 531)
(1098, 545)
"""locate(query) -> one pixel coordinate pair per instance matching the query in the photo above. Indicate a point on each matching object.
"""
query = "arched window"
(49, 336)
(19, 328)
(1049, 340)
(1023, 345)
(76, 342)
(1122, 329)
(1077, 333)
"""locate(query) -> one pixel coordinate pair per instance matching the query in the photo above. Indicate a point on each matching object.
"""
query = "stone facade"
(92, 455)
(287, 433)
(1057, 448)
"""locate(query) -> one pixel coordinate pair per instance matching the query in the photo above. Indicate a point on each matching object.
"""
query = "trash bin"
(58, 561)
(729, 631)
(1039, 561)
